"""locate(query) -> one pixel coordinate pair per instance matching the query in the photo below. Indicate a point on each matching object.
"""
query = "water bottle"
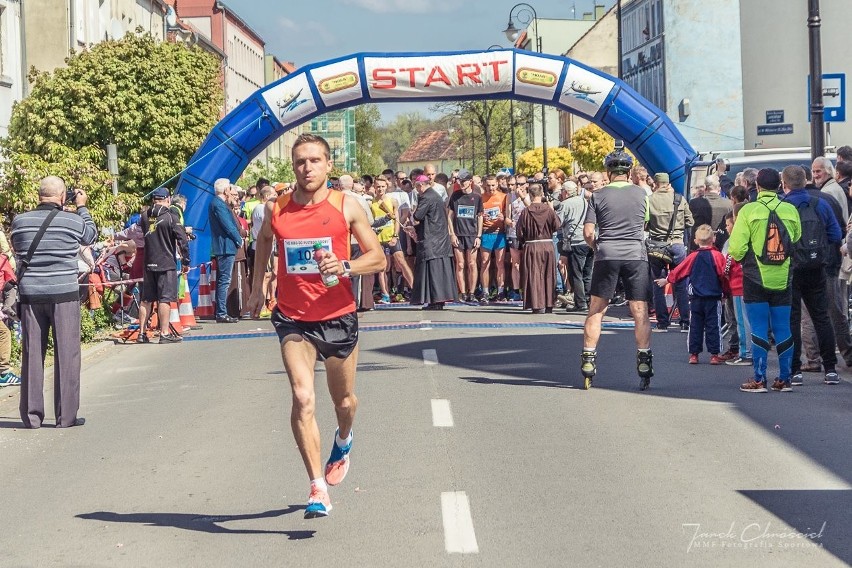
(328, 279)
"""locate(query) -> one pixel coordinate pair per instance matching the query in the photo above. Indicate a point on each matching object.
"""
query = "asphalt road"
(474, 446)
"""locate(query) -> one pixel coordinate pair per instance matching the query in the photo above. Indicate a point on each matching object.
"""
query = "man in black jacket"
(163, 236)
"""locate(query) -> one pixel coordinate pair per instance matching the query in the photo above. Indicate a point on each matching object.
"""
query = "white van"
(739, 160)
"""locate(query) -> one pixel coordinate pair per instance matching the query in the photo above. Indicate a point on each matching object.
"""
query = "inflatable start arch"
(382, 77)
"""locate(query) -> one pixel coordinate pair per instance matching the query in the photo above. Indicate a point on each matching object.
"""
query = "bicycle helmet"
(618, 161)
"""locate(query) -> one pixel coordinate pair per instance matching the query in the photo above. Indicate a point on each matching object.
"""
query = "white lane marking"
(458, 524)
(442, 417)
(424, 325)
(430, 357)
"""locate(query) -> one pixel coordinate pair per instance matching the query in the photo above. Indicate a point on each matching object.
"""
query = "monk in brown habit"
(536, 226)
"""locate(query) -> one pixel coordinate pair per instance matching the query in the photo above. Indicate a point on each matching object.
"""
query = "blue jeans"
(680, 290)
(744, 327)
(224, 269)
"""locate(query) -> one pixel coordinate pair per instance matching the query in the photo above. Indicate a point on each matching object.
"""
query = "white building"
(12, 71)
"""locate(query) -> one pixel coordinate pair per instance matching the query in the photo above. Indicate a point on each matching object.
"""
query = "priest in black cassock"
(434, 270)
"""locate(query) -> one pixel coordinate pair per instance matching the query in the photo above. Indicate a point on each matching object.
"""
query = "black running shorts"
(159, 286)
(633, 273)
(332, 338)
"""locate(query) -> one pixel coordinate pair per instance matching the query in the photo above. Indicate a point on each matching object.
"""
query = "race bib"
(466, 212)
(299, 254)
(491, 213)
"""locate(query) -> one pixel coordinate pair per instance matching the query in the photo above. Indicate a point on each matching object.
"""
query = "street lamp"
(511, 109)
(526, 14)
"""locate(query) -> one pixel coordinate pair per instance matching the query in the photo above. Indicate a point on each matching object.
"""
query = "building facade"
(338, 128)
(775, 73)
(244, 49)
(55, 27)
(13, 75)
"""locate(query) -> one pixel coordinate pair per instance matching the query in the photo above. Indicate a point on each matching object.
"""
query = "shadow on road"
(813, 419)
(821, 515)
(200, 523)
(7, 424)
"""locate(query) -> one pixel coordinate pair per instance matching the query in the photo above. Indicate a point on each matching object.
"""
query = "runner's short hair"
(308, 138)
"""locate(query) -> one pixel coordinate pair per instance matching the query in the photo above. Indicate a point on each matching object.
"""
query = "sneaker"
(753, 386)
(740, 361)
(482, 300)
(729, 355)
(337, 465)
(170, 338)
(143, 338)
(831, 378)
(657, 329)
(781, 386)
(9, 379)
(264, 313)
(796, 381)
(693, 358)
(684, 328)
(319, 504)
(385, 299)
(716, 360)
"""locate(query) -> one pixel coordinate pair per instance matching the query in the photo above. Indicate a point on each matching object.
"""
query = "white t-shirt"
(442, 191)
(256, 222)
(403, 203)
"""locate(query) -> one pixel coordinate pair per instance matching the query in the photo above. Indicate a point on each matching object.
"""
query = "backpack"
(777, 244)
(810, 251)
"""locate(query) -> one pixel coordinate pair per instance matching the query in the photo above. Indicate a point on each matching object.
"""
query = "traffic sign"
(833, 97)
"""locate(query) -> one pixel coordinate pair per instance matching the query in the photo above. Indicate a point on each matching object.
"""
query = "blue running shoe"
(9, 378)
(319, 503)
(337, 465)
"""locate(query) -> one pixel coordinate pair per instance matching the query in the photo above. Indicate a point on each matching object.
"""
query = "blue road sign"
(833, 97)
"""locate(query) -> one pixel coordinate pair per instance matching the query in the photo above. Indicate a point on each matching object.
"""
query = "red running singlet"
(302, 295)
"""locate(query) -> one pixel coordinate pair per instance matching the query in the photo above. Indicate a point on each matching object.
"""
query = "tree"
(533, 160)
(368, 154)
(155, 100)
(22, 172)
(278, 169)
(591, 145)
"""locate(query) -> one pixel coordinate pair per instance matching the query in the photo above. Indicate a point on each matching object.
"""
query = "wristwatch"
(347, 268)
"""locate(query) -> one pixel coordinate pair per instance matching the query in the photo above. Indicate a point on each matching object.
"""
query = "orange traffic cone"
(205, 300)
(187, 317)
(174, 319)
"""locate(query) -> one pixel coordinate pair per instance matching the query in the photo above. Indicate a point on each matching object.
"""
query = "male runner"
(493, 239)
(620, 211)
(315, 320)
(464, 217)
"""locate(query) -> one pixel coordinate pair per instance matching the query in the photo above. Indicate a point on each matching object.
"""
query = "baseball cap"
(464, 175)
(661, 178)
(160, 193)
(768, 179)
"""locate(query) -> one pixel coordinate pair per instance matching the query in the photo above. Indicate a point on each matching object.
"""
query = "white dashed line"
(430, 357)
(424, 325)
(458, 524)
(442, 417)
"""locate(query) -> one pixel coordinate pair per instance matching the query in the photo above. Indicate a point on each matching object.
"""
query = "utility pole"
(817, 106)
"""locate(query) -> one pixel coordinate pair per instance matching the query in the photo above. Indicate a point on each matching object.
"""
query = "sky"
(310, 31)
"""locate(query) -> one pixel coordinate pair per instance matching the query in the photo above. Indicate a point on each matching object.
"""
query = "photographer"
(46, 242)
